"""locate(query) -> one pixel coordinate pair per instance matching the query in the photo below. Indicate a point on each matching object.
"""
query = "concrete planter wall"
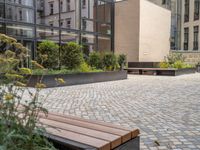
(78, 78)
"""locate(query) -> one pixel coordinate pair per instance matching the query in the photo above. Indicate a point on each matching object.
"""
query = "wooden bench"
(153, 71)
(72, 133)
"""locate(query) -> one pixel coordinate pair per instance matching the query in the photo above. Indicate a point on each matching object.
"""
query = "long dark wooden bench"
(72, 133)
(153, 71)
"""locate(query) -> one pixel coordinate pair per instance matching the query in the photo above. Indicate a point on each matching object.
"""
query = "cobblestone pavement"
(165, 109)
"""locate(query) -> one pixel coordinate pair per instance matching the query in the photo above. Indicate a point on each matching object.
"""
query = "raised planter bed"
(161, 71)
(78, 78)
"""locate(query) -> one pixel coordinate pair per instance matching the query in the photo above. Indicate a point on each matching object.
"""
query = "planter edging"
(77, 78)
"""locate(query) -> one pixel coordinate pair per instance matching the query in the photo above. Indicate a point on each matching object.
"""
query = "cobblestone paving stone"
(165, 109)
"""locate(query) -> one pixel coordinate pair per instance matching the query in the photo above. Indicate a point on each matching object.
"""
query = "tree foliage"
(72, 56)
(48, 54)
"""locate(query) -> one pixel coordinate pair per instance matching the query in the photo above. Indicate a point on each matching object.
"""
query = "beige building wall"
(155, 24)
(190, 25)
(127, 22)
(143, 34)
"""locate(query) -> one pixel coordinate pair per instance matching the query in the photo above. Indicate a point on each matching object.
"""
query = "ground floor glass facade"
(88, 22)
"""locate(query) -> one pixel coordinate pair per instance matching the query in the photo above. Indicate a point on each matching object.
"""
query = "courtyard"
(165, 109)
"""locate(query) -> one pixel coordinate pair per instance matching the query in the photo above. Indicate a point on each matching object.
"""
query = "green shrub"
(122, 60)
(174, 57)
(175, 61)
(181, 65)
(164, 65)
(48, 54)
(84, 67)
(178, 64)
(95, 60)
(72, 56)
(109, 61)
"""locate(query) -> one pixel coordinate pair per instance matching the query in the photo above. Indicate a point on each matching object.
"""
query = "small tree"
(95, 60)
(72, 56)
(122, 60)
(109, 61)
(48, 54)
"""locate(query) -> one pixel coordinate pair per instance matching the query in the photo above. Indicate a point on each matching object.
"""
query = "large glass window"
(22, 2)
(187, 10)
(19, 30)
(20, 14)
(196, 9)
(196, 38)
(88, 23)
(2, 10)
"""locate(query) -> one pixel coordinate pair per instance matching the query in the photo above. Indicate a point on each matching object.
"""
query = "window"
(163, 2)
(61, 6)
(83, 4)
(84, 25)
(187, 9)
(68, 5)
(2, 11)
(51, 8)
(196, 38)
(61, 23)
(20, 15)
(186, 38)
(68, 21)
(196, 9)
(52, 31)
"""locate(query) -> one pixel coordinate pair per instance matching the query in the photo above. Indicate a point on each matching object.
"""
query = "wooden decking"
(98, 135)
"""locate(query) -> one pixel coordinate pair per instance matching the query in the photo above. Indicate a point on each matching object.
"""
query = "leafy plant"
(174, 57)
(175, 61)
(122, 60)
(164, 65)
(72, 56)
(20, 128)
(109, 61)
(84, 67)
(48, 54)
(12, 53)
(95, 60)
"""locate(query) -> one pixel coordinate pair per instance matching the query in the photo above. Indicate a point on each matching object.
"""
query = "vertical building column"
(78, 18)
(113, 26)
(34, 53)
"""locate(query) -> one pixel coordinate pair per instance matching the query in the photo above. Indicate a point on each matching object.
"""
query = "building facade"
(88, 22)
(175, 7)
(190, 25)
(138, 35)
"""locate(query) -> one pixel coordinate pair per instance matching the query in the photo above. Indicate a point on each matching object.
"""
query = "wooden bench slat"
(97, 143)
(151, 69)
(126, 135)
(90, 121)
(113, 139)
